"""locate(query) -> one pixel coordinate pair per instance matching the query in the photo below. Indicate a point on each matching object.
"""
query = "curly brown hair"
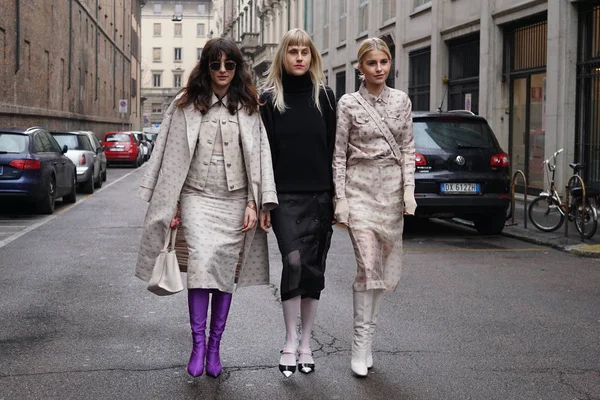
(198, 90)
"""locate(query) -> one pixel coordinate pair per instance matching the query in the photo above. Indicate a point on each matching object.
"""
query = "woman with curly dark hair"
(212, 165)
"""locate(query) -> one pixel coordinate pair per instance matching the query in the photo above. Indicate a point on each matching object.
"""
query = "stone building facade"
(531, 67)
(65, 65)
(174, 33)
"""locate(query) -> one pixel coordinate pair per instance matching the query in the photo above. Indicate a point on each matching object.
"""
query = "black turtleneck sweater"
(302, 139)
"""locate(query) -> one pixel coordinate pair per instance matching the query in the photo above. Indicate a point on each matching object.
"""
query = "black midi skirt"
(302, 225)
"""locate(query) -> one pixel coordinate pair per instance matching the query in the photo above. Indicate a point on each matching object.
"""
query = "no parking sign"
(123, 106)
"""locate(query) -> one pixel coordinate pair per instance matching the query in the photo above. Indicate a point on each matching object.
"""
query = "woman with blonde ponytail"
(374, 167)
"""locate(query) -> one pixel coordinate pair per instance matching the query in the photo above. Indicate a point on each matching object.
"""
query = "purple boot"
(198, 306)
(220, 303)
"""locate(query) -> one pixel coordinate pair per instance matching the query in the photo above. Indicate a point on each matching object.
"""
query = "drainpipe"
(288, 15)
(97, 46)
(70, 41)
(18, 36)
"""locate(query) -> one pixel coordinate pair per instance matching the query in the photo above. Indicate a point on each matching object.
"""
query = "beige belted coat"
(166, 174)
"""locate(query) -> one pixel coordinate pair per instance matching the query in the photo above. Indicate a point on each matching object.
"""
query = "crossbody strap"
(385, 130)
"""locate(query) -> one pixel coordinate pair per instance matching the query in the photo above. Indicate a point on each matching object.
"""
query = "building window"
(156, 79)
(156, 108)
(157, 9)
(198, 53)
(178, 54)
(340, 84)
(388, 10)
(200, 30)
(587, 140)
(176, 80)
(156, 54)
(419, 78)
(157, 29)
(325, 25)
(343, 18)
(309, 25)
(201, 9)
(363, 16)
(418, 3)
(178, 10)
(177, 29)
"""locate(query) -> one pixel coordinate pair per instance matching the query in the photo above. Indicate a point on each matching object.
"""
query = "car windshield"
(452, 134)
(150, 137)
(73, 142)
(118, 137)
(13, 143)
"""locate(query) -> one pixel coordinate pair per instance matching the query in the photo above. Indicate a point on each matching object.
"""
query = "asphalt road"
(473, 318)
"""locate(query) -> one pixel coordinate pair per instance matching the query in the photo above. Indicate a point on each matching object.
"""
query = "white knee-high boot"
(362, 317)
(377, 295)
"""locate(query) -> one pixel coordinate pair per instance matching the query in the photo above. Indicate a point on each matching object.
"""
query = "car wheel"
(491, 224)
(99, 181)
(72, 196)
(88, 187)
(46, 205)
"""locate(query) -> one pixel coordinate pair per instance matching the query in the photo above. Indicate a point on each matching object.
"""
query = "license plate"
(117, 149)
(460, 188)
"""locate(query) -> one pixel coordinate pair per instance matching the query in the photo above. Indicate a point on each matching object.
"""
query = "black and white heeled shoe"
(287, 370)
(305, 367)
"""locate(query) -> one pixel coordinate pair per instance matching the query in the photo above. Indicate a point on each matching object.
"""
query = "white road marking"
(57, 213)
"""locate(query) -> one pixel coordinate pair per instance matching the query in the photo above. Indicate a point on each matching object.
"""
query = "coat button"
(314, 196)
(316, 219)
(226, 143)
(205, 162)
(297, 221)
(231, 187)
(209, 142)
(224, 122)
(228, 164)
(214, 120)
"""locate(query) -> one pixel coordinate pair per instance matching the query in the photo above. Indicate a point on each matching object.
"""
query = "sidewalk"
(557, 240)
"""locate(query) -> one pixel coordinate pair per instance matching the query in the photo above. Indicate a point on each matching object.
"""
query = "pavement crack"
(86, 371)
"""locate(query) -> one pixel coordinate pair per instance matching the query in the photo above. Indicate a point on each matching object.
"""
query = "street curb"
(581, 250)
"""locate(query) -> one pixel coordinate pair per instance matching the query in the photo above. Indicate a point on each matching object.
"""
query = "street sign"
(123, 106)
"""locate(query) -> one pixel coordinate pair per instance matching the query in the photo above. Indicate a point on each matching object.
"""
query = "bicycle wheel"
(586, 222)
(544, 213)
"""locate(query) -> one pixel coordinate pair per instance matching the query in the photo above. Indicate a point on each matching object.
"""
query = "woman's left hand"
(250, 217)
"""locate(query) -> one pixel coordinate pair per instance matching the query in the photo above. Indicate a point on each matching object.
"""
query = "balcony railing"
(249, 42)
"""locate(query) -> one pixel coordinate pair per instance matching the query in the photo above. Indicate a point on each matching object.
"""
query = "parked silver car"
(99, 150)
(81, 152)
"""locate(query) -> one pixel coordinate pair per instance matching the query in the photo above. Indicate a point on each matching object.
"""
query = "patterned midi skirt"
(302, 226)
(374, 190)
(212, 219)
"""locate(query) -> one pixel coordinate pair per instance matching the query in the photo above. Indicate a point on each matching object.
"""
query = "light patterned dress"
(372, 179)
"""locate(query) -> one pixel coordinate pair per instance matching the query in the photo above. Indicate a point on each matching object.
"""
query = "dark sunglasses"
(216, 65)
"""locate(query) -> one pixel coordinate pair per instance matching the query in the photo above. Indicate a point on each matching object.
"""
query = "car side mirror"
(105, 147)
(99, 150)
(65, 149)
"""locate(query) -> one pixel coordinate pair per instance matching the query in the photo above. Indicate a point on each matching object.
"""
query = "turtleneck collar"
(296, 84)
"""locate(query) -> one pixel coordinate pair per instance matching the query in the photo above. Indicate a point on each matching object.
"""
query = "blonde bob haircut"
(371, 44)
(273, 83)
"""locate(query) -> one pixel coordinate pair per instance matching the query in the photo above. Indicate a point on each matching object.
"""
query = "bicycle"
(547, 211)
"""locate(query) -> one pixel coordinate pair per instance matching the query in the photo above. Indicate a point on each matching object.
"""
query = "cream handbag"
(166, 277)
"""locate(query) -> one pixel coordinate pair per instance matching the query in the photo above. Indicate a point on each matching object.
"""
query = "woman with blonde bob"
(299, 116)
(374, 165)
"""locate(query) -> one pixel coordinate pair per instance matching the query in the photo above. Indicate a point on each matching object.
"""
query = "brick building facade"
(65, 65)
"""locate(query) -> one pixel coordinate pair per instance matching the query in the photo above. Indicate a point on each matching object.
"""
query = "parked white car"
(81, 152)
(99, 150)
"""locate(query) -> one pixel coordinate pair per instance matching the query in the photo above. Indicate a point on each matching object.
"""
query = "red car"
(122, 147)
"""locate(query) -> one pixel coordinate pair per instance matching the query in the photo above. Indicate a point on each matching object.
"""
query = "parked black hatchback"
(461, 170)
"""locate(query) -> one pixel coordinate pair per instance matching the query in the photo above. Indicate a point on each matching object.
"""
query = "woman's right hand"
(265, 220)
(176, 221)
(342, 211)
